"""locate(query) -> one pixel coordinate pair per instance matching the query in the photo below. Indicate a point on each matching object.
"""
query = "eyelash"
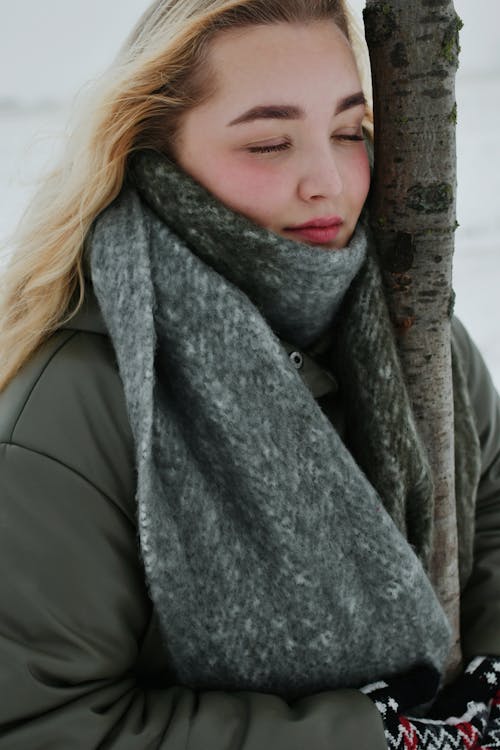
(285, 146)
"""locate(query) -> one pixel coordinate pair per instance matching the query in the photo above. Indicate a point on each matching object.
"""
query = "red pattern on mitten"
(402, 732)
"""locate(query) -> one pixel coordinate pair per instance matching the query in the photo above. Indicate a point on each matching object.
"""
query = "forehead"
(283, 58)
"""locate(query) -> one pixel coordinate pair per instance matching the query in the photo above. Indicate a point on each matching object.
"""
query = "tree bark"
(414, 47)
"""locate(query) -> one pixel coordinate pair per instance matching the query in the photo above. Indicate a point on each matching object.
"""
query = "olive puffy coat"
(82, 665)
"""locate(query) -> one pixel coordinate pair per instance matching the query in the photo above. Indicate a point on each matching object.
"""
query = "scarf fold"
(382, 432)
(271, 559)
(297, 288)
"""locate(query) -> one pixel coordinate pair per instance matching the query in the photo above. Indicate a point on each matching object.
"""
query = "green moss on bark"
(435, 198)
(380, 23)
(450, 49)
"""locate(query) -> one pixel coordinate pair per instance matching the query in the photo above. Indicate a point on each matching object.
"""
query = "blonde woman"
(216, 514)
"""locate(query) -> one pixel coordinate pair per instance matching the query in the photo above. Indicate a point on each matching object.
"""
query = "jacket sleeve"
(480, 602)
(74, 609)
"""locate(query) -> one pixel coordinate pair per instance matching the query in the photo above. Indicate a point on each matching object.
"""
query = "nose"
(320, 177)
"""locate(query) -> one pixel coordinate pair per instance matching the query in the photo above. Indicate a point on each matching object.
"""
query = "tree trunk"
(414, 51)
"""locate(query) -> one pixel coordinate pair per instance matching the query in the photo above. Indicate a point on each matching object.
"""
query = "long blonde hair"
(159, 74)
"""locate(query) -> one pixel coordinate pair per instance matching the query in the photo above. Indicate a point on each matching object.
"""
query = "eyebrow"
(293, 112)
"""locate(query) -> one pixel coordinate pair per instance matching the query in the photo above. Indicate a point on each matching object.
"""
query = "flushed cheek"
(255, 192)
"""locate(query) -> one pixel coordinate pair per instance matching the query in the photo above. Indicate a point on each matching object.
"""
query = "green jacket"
(81, 661)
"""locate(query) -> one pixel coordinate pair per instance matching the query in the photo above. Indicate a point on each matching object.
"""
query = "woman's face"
(281, 140)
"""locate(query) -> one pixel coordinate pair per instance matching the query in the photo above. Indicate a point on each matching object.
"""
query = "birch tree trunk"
(414, 47)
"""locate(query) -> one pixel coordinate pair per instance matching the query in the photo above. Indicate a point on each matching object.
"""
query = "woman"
(198, 550)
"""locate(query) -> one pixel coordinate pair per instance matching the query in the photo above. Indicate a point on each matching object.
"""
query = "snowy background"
(49, 50)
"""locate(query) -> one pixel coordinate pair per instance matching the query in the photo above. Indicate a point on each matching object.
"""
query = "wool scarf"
(273, 562)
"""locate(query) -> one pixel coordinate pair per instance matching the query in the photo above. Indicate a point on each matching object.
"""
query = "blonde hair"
(159, 74)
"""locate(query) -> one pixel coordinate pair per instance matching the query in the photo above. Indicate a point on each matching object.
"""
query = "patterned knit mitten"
(463, 731)
(479, 683)
(491, 739)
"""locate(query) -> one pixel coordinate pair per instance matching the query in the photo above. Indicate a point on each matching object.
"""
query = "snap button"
(297, 359)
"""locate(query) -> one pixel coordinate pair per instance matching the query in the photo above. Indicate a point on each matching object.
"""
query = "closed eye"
(350, 137)
(285, 146)
(268, 149)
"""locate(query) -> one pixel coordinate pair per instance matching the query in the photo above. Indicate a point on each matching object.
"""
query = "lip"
(320, 222)
(320, 231)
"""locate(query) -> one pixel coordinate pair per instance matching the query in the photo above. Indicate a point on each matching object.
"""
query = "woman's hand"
(491, 739)
(402, 732)
(465, 716)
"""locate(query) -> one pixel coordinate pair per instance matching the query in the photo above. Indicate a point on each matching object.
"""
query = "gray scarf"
(271, 559)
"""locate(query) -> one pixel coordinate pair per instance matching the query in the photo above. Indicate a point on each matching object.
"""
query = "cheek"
(359, 178)
(250, 188)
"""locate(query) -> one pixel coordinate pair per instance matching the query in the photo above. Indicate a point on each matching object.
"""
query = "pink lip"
(320, 231)
(322, 221)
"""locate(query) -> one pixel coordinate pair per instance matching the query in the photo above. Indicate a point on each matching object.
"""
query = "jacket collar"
(89, 317)
(319, 380)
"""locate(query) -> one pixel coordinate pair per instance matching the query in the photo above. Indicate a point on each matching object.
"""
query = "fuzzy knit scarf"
(272, 561)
